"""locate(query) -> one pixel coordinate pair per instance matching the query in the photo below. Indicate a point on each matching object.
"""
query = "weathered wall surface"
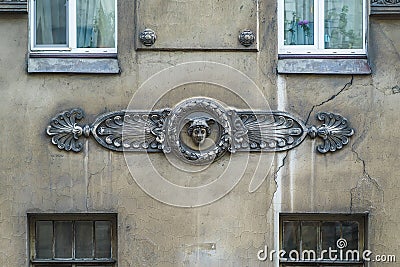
(37, 177)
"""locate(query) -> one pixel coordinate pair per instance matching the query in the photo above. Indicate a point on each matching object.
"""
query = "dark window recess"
(308, 238)
(72, 240)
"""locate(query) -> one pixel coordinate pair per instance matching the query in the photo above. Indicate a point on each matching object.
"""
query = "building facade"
(76, 192)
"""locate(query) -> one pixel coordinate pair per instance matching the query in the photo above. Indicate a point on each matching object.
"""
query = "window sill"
(93, 64)
(323, 64)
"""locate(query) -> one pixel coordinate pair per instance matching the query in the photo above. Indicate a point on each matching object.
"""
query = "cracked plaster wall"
(36, 177)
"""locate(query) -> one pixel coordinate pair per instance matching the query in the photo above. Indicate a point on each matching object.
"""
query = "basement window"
(73, 240)
(322, 240)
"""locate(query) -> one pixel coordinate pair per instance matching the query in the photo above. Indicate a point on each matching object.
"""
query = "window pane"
(95, 21)
(291, 237)
(63, 239)
(103, 239)
(44, 239)
(51, 26)
(299, 22)
(350, 233)
(84, 239)
(330, 234)
(343, 24)
(309, 236)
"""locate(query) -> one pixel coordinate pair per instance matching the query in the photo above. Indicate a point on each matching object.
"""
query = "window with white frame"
(322, 26)
(73, 240)
(73, 26)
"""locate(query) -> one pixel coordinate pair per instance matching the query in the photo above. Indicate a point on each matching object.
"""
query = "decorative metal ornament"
(148, 37)
(384, 2)
(335, 132)
(385, 8)
(247, 38)
(65, 132)
(198, 131)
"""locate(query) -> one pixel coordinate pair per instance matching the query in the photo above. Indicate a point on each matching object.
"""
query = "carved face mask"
(199, 130)
(199, 135)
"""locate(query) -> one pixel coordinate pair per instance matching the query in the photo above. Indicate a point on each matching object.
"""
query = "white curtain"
(299, 22)
(343, 24)
(51, 22)
(95, 21)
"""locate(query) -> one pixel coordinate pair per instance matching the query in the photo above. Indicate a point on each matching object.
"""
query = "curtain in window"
(299, 22)
(343, 24)
(95, 22)
(51, 22)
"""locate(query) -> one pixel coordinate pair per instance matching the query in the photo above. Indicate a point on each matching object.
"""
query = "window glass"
(84, 239)
(343, 24)
(309, 236)
(44, 240)
(95, 22)
(51, 22)
(330, 232)
(103, 239)
(291, 236)
(350, 232)
(299, 22)
(63, 239)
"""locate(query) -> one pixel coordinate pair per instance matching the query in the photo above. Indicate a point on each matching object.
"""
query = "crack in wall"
(276, 176)
(345, 87)
(88, 184)
(363, 196)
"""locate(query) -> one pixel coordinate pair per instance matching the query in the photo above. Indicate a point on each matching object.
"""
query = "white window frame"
(318, 47)
(70, 47)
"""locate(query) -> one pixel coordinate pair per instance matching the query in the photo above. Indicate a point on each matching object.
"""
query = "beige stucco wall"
(37, 177)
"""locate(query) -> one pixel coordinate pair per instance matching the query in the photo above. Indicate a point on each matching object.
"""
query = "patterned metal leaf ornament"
(271, 131)
(65, 131)
(130, 130)
(335, 132)
(193, 123)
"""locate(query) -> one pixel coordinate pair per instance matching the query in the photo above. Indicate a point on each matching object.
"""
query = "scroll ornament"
(198, 131)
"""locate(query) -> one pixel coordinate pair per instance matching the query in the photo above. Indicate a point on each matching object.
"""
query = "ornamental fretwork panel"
(385, 7)
(13, 6)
